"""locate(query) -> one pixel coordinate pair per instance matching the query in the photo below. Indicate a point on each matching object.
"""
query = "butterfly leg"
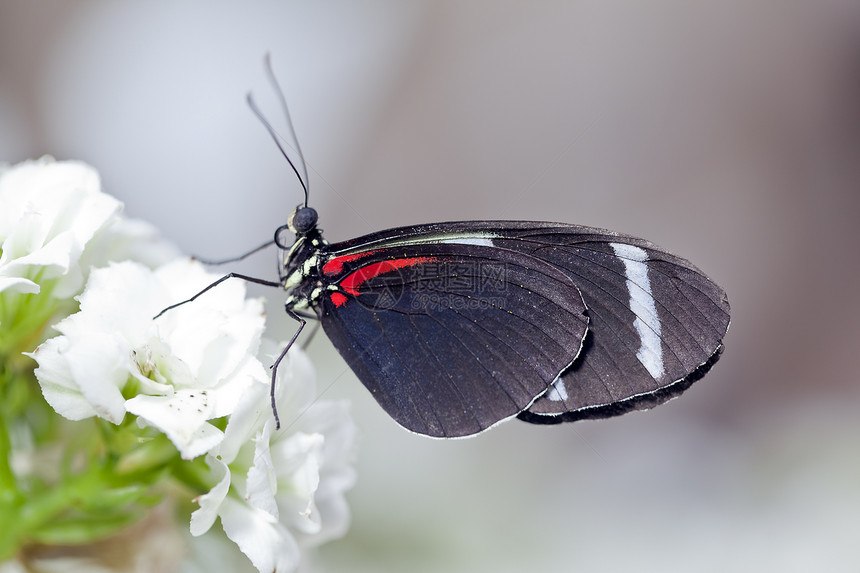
(302, 323)
(216, 283)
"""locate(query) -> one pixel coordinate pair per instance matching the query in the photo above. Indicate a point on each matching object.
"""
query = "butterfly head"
(302, 220)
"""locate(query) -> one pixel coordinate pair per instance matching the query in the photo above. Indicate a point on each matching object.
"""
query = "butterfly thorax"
(299, 270)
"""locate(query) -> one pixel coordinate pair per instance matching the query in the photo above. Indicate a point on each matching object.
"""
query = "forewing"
(451, 338)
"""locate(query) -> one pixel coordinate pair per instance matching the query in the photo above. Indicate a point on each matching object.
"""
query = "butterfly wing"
(656, 322)
(450, 338)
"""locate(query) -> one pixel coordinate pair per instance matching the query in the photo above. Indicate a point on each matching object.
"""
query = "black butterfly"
(455, 327)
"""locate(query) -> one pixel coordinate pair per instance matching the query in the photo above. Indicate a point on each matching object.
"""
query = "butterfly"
(455, 327)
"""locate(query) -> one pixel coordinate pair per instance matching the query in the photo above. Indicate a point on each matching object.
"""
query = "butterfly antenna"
(277, 140)
(271, 73)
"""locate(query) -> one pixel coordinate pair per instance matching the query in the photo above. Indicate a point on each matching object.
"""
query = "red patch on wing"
(335, 266)
(338, 299)
(353, 280)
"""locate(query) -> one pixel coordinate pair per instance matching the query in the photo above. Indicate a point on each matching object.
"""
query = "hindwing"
(656, 321)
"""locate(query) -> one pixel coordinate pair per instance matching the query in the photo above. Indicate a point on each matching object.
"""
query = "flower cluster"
(181, 400)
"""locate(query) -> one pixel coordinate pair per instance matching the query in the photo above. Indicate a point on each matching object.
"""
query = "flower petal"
(261, 483)
(129, 240)
(203, 518)
(18, 284)
(298, 459)
(267, 543)
(183, 419)
(60, 389)
(82, 377)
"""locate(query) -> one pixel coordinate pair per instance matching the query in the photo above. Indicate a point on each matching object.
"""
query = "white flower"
(189, 366)
(279, 490)
(50, 211)
(55, 224)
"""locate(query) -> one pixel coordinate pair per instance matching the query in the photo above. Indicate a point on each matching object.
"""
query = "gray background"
(728, 132)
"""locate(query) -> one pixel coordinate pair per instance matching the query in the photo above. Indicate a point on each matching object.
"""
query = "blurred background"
(728, 132)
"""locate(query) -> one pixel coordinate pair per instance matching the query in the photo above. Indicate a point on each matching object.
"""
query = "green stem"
(10, 496)
(8, 485)
(8, 482)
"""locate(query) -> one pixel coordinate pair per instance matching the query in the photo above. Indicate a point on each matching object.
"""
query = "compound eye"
(303, 220)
